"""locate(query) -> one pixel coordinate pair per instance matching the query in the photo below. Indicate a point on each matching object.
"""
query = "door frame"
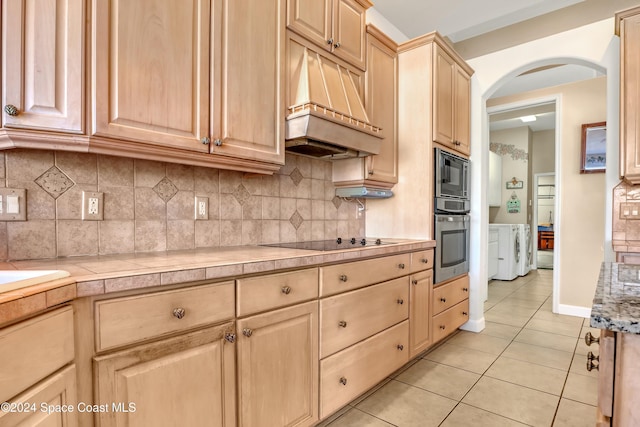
(534, 220)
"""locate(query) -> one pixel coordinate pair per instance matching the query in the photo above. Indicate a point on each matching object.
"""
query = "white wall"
(592, 45)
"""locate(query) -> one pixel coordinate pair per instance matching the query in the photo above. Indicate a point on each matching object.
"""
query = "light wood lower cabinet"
(420, 312)
(449, 320)
(187, 380)
(278, 367)
(52, 402)
(351, 372)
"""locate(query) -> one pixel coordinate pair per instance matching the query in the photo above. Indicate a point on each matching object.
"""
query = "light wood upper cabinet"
(278, 367)
(42, 64)
(381, 91)
(187, 380)
(337, 26)
(628, 28)
(451, 102)
(191, 76)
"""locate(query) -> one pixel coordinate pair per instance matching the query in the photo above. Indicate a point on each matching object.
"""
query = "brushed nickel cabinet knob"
(179, 313)
(400, 347)
(205, 140)
(343, 381)
(343, 277)
(342, 324)
(590, 339)
(286, 290)
(11, 110)
(247, 332)
(414, 282)
(400, 301)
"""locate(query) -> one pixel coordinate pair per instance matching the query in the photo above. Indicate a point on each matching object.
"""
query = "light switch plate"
(13, 204)
(629, 210)
(202, 208)
(92, 206)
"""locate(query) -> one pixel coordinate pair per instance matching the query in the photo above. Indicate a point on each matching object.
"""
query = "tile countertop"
(97, 275)
(616, 304)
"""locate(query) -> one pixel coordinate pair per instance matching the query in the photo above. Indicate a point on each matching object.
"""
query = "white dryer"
(526, 249)
(508, 250)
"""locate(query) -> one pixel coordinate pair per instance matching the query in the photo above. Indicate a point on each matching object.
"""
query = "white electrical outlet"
(201, 208)
(92, 206)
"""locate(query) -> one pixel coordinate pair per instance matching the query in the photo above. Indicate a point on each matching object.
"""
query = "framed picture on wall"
(594, 148)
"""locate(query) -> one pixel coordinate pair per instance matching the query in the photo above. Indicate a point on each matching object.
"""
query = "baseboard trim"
(574, 310)
(474, 325)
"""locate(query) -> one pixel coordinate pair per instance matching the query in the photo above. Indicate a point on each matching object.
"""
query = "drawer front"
(128, 320)
(450, 294)
(346, 375)
(448, 321)
(353, 275)
(348, 318)
(33, 349)
(263, 293)
(422, 260)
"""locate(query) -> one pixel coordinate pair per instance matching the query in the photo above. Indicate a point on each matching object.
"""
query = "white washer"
(526, 249)
(508, 250)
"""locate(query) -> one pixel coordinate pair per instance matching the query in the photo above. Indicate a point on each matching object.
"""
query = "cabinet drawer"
(33, 349)
(348, 318)
(448, 321)
(422, 260)
(346, 375)
(264, 293)
(450, 294)
(127, 320)
(352, 275)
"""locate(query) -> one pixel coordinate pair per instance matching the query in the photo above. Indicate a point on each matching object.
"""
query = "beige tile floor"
(527, 367)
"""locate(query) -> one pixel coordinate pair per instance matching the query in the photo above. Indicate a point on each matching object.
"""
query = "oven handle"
(452, 218)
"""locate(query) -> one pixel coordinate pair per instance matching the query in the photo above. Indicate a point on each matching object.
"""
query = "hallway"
(527, 367)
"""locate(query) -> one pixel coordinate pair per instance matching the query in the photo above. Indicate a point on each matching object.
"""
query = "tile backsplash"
(149, 206)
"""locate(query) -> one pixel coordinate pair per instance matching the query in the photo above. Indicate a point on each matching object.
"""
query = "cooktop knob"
(363, 242)
(378, 242)
(339, 240)
(353, 240)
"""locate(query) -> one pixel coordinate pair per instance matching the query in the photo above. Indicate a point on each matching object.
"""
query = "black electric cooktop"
(331, 245)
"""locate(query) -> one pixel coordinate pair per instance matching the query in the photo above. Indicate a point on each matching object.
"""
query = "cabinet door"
(349, 32)
(278, 367)
(55, 391)
(629, 99)
(42, 59)
(462, 111)
(151, 71)
(248, 70)
(443, 97)
(420, 312)
(381, 105)
(311, 19)
(188, 380)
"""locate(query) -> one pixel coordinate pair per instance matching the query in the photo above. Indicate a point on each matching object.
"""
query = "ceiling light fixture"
(526, 119)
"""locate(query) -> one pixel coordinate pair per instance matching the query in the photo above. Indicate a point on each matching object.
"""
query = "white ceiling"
(461, 19)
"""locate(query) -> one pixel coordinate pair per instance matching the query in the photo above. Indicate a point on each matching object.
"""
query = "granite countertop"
(616, 304)
(97, 275)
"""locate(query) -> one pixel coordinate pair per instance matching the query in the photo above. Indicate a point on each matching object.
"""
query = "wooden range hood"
(326, 117)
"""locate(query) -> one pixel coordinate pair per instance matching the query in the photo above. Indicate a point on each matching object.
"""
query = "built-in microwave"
(451, 182)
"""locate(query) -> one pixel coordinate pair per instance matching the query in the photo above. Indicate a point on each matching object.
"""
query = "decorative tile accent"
(165, 189)
(54, 182)
(337, 202)
(241, 194)
(296, 176)
(296, 220)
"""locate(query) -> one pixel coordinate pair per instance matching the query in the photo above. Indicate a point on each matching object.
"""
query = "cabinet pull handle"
(370, 171)
(400, 347)
(330, 41)
(247, 332)
(11, 110)
(205, 140)
(342, 324)
(591, 356)
(401, 266)
(343, 381)
(591, 365)
(443, 299)
(464, 313)
(400, 301)
(442, 327)
(343, 277)
(337, 45)
(424, 260)
(179, 312)
(414, 282)
(230, 336)
(465, 289)
(286, 290)
(590, 339)
(217, 142)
